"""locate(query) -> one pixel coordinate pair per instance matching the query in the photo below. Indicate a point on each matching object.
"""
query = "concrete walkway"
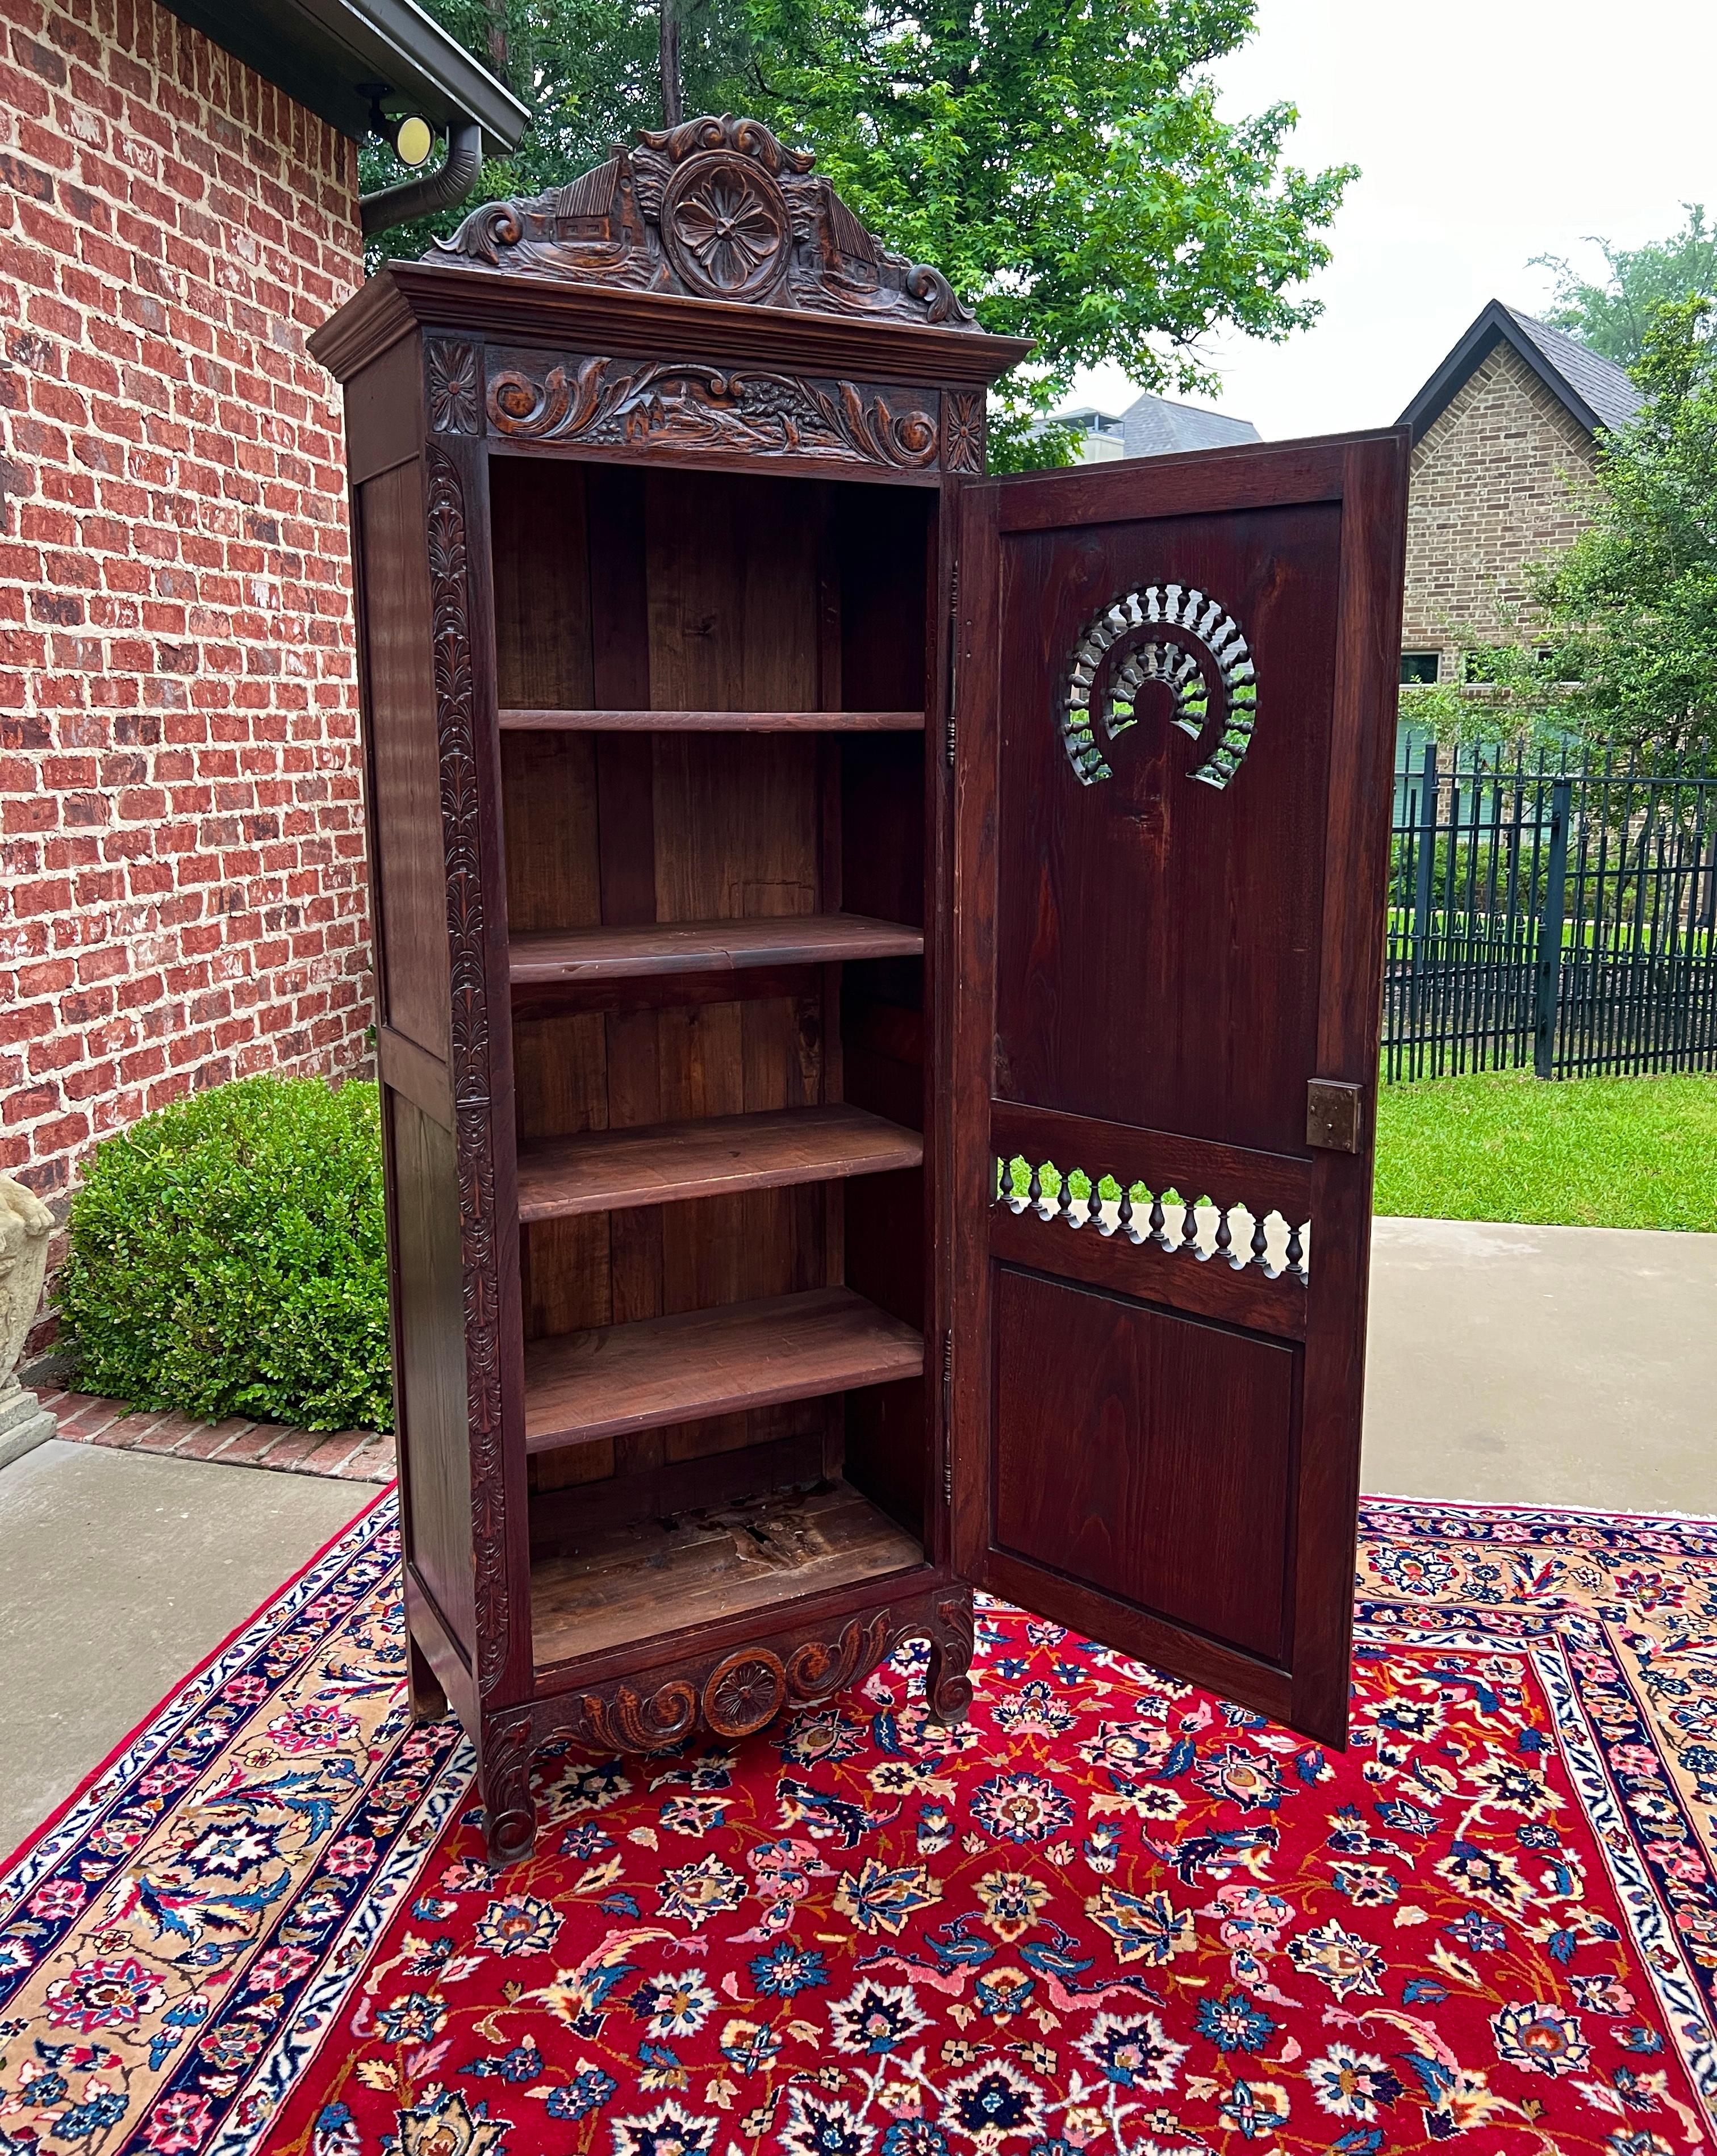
(1543, 1366)
(122, 1572)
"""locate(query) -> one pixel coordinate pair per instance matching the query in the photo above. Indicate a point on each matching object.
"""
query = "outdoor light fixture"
(414, 140)
(410, 136)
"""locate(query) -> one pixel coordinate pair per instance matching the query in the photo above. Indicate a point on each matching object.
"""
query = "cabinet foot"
(948, 1689)
(429, 1702)
(504, 1783)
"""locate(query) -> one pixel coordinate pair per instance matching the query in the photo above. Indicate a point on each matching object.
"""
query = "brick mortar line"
(315, 1459)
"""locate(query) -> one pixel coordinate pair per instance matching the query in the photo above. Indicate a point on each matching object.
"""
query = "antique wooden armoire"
(878, 980)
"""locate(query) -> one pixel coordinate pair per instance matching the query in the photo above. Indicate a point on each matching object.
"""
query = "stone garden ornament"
(25, 1226)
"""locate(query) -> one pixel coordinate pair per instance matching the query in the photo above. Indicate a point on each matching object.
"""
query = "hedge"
(229, 1257)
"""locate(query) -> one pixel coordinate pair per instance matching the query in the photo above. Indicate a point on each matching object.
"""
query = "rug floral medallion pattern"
(1112, 1914)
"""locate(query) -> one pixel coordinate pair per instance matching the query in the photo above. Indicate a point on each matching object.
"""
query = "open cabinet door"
(1176, 702)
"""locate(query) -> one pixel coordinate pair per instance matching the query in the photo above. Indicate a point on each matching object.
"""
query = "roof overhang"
(1494, 325)
(318, 51)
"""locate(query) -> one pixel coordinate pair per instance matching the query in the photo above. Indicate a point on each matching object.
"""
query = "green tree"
(1632, 605)
(1614, 317)
(1064, 165)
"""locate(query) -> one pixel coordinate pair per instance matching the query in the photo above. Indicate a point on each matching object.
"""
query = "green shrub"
(229, 1257)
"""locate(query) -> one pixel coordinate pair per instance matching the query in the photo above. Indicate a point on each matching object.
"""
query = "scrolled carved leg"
(504, 1783)
(948, 1689)
(429, 1702)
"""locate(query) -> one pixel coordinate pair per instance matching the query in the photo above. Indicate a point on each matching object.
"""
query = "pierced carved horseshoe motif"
(1192, 623)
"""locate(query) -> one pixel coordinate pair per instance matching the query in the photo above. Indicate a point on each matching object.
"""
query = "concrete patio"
(122, 1571)
(1535, 1366)
(1543, 1366)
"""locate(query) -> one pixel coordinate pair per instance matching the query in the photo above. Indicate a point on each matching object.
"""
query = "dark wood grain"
(1153, 971)
(1356, 869)
(706, 1567)
(429, 1379)
(819, 1642)
(569, 1511)
(975, 690)
(1162, 1160)
(1142, 1444)
(1279, 476)
(664, 1163)
(708, 946)
(711, 1362)
(523, 721)
(665, 728)
(1175, 1278)
(412, 1070)
(388, 306)
(406, 869)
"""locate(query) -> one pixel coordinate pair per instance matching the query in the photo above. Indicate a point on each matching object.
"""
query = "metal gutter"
(319, 51)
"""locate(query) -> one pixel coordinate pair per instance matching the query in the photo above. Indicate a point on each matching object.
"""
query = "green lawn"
(1590, 1152)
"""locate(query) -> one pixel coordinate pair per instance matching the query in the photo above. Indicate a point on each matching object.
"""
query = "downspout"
(450, 183)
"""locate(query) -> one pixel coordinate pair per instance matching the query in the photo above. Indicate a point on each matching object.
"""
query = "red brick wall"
(182, 895)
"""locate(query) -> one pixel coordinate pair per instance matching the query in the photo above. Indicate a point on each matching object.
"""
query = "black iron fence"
(1549, 910)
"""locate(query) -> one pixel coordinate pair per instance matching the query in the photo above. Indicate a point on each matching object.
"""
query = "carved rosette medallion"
(455, 724)
(686, 405)
(724, 224)
(744, 1692)
(454, 381)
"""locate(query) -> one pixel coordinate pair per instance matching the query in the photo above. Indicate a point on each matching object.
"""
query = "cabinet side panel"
(430, 1381)
(409, 869)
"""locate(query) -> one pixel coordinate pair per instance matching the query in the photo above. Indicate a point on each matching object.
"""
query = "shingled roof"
(1592, 388)
(1157, 426)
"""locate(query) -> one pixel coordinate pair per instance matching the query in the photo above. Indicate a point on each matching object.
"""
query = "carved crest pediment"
(712, 209)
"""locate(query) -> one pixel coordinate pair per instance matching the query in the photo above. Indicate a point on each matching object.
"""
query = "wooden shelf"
(632, 1583)
(707, 946)
(584, 1385)
(665, 1163)
(766, 723)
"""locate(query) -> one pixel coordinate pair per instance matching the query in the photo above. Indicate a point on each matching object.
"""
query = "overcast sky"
(1486, 131)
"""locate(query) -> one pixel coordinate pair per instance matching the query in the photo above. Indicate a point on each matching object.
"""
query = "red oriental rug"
(1112, 1915)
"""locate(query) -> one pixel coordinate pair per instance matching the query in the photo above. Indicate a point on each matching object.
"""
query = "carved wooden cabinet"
(878, 973)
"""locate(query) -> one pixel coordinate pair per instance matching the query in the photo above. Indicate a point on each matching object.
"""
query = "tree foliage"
(1614, 317)
(1063, 164)
(1632, 605)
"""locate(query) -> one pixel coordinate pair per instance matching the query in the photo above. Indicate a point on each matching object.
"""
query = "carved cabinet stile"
(864, 954)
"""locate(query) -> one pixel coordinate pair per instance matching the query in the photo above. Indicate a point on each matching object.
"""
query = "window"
(1418, 669)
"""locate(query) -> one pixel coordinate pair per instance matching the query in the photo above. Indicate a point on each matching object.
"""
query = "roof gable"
(1593, 390)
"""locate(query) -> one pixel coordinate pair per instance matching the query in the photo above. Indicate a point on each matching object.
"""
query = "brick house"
(182, 891)
(1503, 433)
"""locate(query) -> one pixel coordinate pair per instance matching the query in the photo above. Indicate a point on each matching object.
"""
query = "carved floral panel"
(688, 405)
